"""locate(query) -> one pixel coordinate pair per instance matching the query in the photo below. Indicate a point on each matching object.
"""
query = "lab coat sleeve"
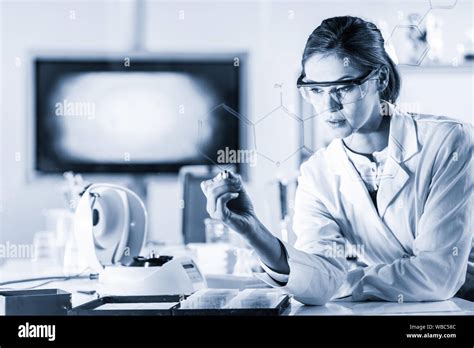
(279, 277)
(437, 268)
(317, 270)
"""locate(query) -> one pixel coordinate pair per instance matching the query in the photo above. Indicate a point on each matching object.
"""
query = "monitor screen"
(141, 116)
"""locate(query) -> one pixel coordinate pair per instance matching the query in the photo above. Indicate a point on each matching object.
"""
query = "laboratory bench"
(83, 290)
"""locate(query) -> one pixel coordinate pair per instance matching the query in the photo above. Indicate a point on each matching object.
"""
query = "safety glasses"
(343, 91)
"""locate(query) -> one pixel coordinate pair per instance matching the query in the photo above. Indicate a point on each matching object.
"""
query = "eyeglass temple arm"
(357, 81)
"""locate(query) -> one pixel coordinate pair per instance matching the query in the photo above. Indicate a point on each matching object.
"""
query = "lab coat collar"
(402, 143)
(403, 140)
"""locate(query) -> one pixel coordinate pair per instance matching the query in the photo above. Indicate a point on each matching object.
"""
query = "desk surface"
(20, 269)
(455, 306)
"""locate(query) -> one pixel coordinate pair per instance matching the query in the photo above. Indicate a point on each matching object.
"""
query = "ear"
(383, 78)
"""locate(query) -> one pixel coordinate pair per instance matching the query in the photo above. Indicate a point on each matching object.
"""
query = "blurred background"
(135, 92)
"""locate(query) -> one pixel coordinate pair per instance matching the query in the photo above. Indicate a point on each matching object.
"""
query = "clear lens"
(344, 94)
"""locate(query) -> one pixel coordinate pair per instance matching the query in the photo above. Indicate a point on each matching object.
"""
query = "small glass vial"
(216, 231)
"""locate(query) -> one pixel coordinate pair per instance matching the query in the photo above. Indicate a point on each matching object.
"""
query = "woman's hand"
(228, 202)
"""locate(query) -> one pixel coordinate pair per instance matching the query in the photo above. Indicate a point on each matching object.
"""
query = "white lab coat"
(416, 248)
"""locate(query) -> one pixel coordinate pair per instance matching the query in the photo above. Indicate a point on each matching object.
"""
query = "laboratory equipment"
(234, 302)
(110, 228)
(35, 302)
(128, 305)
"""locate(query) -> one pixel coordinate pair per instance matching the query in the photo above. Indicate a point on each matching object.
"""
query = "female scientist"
(397, 186)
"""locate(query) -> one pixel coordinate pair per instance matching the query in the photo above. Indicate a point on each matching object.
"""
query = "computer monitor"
(139, 115)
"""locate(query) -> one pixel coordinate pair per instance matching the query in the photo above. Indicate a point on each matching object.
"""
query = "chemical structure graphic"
(411, 30)
(417, 33)
(225, 158)
(277, 153)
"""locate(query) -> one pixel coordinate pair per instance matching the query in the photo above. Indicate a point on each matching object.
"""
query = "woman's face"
(341, 119)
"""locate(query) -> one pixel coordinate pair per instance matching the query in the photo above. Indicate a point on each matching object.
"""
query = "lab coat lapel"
(402, 145)
(393, 179)
(351, 184)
